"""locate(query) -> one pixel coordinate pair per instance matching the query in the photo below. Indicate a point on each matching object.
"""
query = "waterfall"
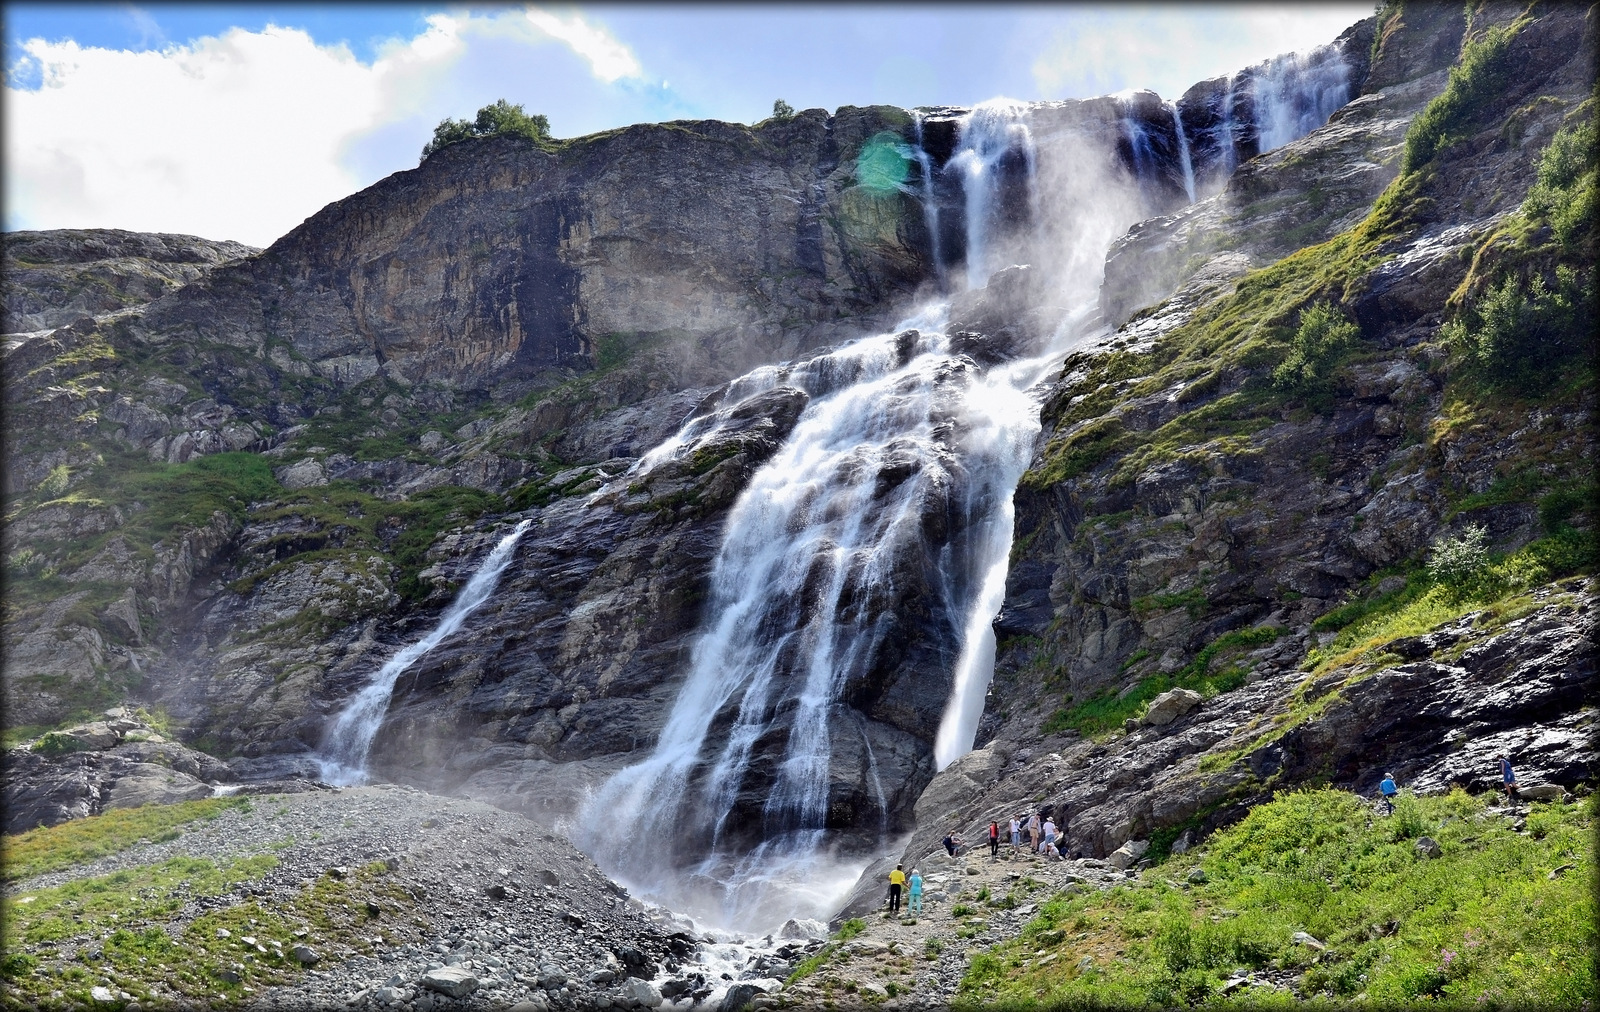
(990, 133)
(1227, 141)
(348, 740)
(896, 479)
(930, 203)
(1297, 93)
(1183, 151)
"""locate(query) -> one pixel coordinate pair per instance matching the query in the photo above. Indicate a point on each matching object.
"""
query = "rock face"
(54, 278)
(1169, 550)
(497, 260)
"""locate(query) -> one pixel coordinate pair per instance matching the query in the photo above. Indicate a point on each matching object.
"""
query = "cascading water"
(1183, 151)
(991, 133)
(930, 203)
(1297, 93)
(901, 436)
(345, 746)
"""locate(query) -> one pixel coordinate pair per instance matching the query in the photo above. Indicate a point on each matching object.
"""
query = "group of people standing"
(899, 882)
(1038, 835)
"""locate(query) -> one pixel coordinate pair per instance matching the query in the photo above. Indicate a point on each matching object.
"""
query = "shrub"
(1520, 337)
(1477, 78)
(1564, 194)
(502, 119)
(782, 110)
(1315, 351)
(55, 743)
(851, 928)
(1459, 562)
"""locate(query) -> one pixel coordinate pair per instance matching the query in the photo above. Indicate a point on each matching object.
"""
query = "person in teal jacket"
(915, 904)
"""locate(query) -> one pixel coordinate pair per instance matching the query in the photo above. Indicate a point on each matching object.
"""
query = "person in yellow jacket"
(897, 883)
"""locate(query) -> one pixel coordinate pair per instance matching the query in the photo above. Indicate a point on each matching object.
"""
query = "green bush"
(782, 110)
(1564, 194)
(1477, 78)
(1315, 352)
(851, 928)
(1521, 337)
(55, 743)
(502, 119)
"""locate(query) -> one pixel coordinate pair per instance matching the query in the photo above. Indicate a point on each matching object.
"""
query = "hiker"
(897, 882)
(1048, 847)
(1033, 832)
(994, 841)
(953, 843)
(1509, 777)
(1016, 835)
(915, 907)
(1388, 790)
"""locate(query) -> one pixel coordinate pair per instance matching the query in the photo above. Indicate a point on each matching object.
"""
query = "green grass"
(1476, 80)
(130, 927)
(75, 841)
(1106, 712)
(848, 930)
(1364, 627)
(1482, 926)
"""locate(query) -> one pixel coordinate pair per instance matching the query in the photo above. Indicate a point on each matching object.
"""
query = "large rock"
(1169, 706)
(53, 278)
(451, 981)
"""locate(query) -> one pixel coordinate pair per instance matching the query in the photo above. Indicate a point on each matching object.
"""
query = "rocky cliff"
(234, 500)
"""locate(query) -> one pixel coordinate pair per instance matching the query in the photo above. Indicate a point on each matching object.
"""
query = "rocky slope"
(55, 278)
(582, 299)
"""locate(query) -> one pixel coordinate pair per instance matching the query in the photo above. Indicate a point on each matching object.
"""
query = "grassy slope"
(153, 930)
(1500, 919)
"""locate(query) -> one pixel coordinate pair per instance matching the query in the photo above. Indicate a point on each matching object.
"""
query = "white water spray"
(1297, 93)
(990, 132)
(1183, 151)
(930, 203)
(349, 739)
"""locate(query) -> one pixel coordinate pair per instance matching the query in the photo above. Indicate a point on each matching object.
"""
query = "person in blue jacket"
(1388, 790)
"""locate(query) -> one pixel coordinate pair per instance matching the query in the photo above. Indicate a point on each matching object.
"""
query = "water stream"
(1184, 158)
(348, 740)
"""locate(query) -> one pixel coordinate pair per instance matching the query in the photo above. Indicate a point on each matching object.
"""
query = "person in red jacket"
(994, 841)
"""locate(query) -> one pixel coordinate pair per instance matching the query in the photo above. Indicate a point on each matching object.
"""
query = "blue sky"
(238, 121)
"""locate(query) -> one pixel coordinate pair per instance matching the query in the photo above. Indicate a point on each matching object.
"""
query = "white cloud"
(1169, 48)
(243, 135)
(610, 59)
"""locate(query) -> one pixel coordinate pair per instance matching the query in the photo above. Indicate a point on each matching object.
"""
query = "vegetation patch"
(1501, 919)
(76, 841)
(1106, 712)
(146, 931)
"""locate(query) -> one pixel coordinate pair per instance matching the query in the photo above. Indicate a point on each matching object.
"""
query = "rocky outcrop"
(497, 261)
(1521, 688)
(1170, 550)
(54, 278)
(119, 762)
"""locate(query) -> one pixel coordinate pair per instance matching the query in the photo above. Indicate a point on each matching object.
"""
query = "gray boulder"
(450, 980)
(1128, 854)
(1169, 706)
